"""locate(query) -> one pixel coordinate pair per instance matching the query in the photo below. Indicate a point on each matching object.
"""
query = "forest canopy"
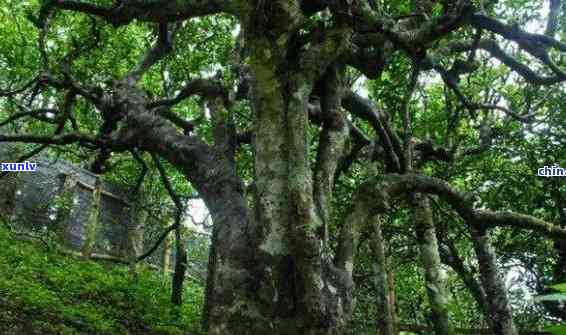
(369, 166)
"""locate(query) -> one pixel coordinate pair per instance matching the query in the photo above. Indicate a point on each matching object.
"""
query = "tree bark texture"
(180, 268)
(430, 257)
(385, 306)
(500, 314)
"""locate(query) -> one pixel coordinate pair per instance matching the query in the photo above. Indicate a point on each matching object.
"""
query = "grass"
(45, 292)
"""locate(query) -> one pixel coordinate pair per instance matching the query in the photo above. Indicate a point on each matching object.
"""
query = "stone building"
(87, 214)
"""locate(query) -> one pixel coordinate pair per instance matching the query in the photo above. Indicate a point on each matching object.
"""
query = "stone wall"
(58, 198)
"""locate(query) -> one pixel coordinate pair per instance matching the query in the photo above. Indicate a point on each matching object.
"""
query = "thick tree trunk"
(430, 258)
(269, 273)
(308, 294)
(235, 274)
(501, 317)
(385, 308)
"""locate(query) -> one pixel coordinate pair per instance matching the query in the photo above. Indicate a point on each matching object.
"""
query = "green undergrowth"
(44, 292)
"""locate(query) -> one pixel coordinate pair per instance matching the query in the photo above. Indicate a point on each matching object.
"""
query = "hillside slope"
(44, 292)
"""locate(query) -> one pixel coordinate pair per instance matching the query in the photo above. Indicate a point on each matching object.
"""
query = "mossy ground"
(45, 292)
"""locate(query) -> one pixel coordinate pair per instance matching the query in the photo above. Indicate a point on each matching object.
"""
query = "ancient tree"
(279, 263)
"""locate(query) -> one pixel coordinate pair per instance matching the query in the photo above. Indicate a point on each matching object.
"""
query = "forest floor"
(45, 292)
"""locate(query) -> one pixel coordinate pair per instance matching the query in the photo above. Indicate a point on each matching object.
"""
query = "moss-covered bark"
(500, 314)
(297, 288)
(385, 309)
(421, 214)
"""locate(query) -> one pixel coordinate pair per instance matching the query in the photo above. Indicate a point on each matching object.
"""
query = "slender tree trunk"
(391, 293)
(501, 317)
(65, 203)
(451, 258)
(559, 271)
(93, 220)
(430, 258)
(136, 222)
(166, 254)
(180, 268)
(384, 316)
(559, 276)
